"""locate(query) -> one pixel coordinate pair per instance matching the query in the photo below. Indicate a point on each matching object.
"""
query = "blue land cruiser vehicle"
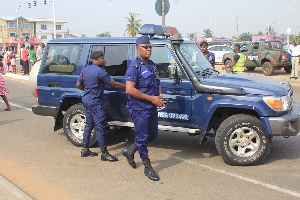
(242, 112)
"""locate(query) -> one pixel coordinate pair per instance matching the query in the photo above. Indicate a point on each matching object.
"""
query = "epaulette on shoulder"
(136, 64)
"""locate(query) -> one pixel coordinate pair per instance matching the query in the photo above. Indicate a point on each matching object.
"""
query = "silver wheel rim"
(77, 124)
(244, 142)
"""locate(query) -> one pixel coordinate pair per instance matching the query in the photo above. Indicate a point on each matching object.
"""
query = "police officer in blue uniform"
(208, 55)
(92, 80)
(143, 89)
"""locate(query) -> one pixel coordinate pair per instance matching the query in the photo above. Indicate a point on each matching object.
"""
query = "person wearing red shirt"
(25, 59)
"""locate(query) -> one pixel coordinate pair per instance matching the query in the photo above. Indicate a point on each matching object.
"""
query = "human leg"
(6, 102)
(85, 152)
(143, 120)
(99, 115)
(296, 66)
(293, 68)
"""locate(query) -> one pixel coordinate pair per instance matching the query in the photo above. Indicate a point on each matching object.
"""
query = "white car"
(219, 51)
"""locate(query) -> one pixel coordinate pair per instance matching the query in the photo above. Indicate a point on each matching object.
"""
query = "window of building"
(62, 58)
(116, 58)
(27, 26)
(12, 34)
(11, 25)
(43, 27)
(58, 27)
(43, 37)
(58, 36)
(19, 25)
(25, 34)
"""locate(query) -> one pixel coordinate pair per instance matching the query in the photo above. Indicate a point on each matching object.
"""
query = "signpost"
(162, 7)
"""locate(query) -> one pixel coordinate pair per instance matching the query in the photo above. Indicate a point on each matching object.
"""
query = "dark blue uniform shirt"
(94, 79)
(211, 58)
(145, 78)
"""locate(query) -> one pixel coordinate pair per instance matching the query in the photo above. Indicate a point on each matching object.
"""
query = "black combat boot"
(129, 154)
(149, 171)
(85, 152)
(105, 156)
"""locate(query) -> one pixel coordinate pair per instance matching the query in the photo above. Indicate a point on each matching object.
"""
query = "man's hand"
(157, 101)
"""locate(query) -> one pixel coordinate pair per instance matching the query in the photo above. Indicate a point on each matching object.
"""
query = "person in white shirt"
(294, 50)
(40, 51)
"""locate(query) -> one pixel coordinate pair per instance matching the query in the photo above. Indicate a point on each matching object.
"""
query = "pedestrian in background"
(25, 60)
(21, 56)
(13, 62)
(40, 51)
(294, 50)
(144, 97)
(92, 80)
(210, 56)
(32, 57)
(3, 89)
(238, 63)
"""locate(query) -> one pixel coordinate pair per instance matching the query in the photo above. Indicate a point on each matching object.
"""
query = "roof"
(12, 18)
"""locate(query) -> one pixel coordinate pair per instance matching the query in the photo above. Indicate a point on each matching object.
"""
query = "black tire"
(267, 68)
(241, 140)
(228, 62)
(288, 69)
(74, 123)
(251, 68)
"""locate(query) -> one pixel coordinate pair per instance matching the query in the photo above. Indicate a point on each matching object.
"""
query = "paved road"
(45, 164)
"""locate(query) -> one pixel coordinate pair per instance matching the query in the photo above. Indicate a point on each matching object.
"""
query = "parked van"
(242, 112)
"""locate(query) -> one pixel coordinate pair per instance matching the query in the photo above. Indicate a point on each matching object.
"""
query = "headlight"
(278, 103)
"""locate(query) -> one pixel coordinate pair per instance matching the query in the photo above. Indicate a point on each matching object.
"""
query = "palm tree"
(133, 26)
(207, 33)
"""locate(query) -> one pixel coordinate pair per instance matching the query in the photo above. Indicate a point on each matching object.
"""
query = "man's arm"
(80, 86)
(132, 91)
(116, 84)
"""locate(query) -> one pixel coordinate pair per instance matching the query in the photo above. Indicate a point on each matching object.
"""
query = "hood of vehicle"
(250, 84)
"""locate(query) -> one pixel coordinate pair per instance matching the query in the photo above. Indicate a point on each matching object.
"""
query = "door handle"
(53, 84)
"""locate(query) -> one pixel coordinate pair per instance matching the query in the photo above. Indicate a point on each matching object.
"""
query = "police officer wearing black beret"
(92, 80)
(144, 97)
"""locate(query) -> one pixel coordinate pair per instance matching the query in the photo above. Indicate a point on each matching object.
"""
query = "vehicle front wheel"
(267, 68)
(74, 123)
(228, 62)
(251, 68)
(241, 140)
(288, 69)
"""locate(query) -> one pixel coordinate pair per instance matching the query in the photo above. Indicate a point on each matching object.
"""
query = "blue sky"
(91, 17)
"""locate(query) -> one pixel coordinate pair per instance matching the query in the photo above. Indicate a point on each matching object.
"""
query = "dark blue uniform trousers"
(146, 128)
(95, 116)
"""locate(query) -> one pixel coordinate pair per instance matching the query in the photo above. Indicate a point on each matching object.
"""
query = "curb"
(17, 76)
(10, 191)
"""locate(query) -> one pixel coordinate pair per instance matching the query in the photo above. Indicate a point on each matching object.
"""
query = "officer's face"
(100, 61)
(144, 50)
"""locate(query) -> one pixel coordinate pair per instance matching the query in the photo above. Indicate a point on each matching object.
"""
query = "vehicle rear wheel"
(288, 69)
(241, 140)
(267, 68)
(74, 123)
(251, 68)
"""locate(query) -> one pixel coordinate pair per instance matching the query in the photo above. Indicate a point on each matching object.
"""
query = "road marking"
(256, 182)
(15, 105)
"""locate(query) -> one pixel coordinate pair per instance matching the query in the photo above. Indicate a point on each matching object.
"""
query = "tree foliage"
(106, 34)
(133, 26)
(245, 37)
(192, 36)
(207, 33)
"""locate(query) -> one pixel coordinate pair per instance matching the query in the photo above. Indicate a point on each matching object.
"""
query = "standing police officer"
(237, 66)
(144, 97)
(210, 56)
(92, 80)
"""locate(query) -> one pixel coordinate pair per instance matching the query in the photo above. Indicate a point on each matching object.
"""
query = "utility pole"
(237, 26)
(289, 23)
(17, 27)
(54, 22)
(163, 12)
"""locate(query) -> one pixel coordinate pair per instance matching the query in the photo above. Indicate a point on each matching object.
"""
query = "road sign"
(158, 7)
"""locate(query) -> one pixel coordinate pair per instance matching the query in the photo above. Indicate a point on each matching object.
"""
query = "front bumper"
(45, 110)
(287, 125)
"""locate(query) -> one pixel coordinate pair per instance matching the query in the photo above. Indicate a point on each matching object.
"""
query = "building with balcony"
(16, 30)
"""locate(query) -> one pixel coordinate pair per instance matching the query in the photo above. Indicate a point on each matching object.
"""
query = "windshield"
(194, 57)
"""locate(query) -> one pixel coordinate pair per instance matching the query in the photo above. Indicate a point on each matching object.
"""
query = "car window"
(116, 58)
(61, 58)
(164, 61)
(226, 48)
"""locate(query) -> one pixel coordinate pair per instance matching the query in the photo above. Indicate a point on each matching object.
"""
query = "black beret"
(204, 43)
(143, 40)
(96, 54)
